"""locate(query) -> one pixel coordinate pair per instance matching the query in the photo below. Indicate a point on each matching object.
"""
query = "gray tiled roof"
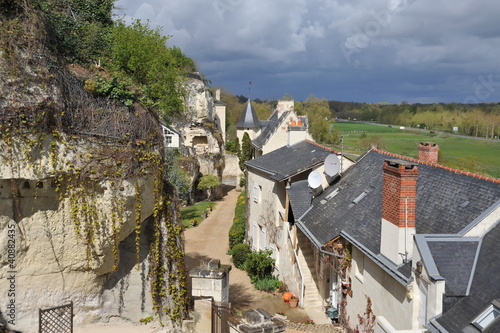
(272, 124)
(446, 202)
(454, 260)
(485, 288)
(290, 160)
(300, 197)
(248, 118)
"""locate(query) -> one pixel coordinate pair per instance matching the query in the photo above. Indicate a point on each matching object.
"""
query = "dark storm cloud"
(367, 50)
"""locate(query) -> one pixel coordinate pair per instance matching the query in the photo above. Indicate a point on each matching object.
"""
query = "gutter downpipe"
(301, 299)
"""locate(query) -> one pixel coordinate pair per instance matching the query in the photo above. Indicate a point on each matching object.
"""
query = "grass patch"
(346, 127)
(482, 156)
(195, 212)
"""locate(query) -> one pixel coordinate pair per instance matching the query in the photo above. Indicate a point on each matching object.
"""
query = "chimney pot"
(428, 152)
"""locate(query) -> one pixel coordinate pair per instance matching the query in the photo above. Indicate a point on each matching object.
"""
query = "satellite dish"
(314, 179)
(332, 165)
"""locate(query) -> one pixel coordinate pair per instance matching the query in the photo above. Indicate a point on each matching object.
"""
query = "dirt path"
(209, 240)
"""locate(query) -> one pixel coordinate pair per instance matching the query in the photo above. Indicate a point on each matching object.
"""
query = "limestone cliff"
(85, 214)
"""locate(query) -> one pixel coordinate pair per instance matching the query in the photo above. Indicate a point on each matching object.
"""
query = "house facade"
(270, 179)
(273, 133)
(405, 238)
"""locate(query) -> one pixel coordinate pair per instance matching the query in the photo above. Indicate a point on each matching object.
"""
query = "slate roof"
(270, 127)
(452, 256)
(299, 194)
(248, 118)
(288, 161)
(447, 201)
(485, 288)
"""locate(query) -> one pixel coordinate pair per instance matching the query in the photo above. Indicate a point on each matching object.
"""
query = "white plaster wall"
(252, 133)
(387, 295)
(231, 166)
(220, 110)
(268, 215)
(280, 137)
(485, 224)
(392, 241)
(265, 210)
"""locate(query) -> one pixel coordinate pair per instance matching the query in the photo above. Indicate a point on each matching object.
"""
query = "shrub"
(240, 253)
(233, 146)
(237, 230)
(259, 264)
(267, 283)
(236, 235)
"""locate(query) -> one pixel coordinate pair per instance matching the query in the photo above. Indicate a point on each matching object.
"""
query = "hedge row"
(237, 230)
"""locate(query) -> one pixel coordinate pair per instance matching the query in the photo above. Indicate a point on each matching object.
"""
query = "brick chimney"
(399, 194)
(428, 151)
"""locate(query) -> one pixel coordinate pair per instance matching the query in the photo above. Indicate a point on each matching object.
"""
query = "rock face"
(199, 101)
(80, 192)
(50, 262)
(202, 132)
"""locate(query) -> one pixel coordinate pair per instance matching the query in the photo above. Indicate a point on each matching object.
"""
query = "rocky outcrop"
(199, 101)
(71, 237)
(85, 215)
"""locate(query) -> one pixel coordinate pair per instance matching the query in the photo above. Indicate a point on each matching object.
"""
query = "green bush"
(259, 264)
(240, 253)
(237, 230)
(243, 182)
(233, 146)
(267, 283)
(236, 235)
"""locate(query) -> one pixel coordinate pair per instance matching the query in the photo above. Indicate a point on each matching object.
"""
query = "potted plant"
(294, 300)
(281, 315)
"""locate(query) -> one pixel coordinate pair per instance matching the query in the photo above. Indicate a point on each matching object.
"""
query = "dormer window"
(488, 316)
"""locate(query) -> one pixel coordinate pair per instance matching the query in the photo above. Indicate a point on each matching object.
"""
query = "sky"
(418, 51)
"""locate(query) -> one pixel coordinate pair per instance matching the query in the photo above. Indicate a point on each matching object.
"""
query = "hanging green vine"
(78, 178)
(138, 222)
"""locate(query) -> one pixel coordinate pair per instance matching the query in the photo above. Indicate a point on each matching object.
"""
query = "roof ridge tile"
(434, 164)
(320, 145)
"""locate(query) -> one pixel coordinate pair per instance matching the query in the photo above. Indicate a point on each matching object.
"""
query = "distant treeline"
(481, 120)
(468, 119)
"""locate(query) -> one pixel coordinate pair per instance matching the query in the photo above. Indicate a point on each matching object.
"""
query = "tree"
(246, 152)
(320, 119)
(80, 28)
(141, 53)
(209, 183)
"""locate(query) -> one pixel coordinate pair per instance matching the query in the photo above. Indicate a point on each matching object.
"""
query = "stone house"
(273, 133)
(410, 237)
(269, 179)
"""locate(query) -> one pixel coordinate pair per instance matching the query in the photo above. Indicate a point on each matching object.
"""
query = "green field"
(469, 154)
